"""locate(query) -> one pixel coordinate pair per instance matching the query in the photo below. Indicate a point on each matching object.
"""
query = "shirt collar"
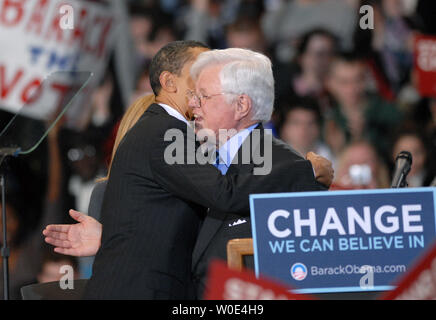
(230, 148)
(173, 112)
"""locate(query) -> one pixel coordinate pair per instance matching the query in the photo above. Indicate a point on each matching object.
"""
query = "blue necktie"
(220, 166)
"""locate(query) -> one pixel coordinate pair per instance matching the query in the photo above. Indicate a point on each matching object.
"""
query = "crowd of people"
(338, 86)
(347, 93)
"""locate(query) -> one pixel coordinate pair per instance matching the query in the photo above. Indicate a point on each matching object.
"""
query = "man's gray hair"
(244, 72)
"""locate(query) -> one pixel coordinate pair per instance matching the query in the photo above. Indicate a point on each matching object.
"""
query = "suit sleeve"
(205, 185)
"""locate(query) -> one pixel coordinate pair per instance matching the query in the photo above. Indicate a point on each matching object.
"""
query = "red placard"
(227, 284)
(420, 282)
(425, 64)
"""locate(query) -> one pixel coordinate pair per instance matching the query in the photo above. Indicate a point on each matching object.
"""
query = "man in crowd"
(357, 114)
(152, 210)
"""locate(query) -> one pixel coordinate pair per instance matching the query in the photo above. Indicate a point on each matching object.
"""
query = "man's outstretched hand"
(324, 172)
(83, 238)
(80, 240)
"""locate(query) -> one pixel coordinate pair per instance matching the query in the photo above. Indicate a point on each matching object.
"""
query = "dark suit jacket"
(96, 201)
(218, 227)
(151, 211)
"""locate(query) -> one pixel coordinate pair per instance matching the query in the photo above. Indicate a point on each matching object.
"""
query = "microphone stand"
(5, 251)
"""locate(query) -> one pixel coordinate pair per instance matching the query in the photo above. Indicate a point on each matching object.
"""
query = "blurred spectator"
(389, 46)
(162, 32)
(100, 101)
(104, 104)
(421, 173)
(143, 85)
(360, 167)
(306, 75)
(394, 41)
(51, 266)
(423, 116)
(151, 28)
(103, 111)
(356, 114)
(246, 33)
(300, 127)
(284, 25)
(84, 156)
(206, 20)
(315, 53)
(141, 22)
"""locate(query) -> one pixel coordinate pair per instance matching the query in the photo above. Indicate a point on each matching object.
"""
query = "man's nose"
(193, 103)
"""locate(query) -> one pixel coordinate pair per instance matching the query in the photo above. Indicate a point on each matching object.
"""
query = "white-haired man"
(234, 91)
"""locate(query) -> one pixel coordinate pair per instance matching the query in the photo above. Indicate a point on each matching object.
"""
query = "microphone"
(403, 163)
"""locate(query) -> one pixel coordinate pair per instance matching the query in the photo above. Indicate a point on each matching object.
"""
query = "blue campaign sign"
(341, 241)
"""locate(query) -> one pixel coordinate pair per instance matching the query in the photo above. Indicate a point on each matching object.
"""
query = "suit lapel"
(211, 225)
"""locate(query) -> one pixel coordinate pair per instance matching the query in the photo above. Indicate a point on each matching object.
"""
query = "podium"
(53, 291)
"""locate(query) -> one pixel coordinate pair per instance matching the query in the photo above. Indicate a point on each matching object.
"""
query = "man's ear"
(244, 105)
(167, 81)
